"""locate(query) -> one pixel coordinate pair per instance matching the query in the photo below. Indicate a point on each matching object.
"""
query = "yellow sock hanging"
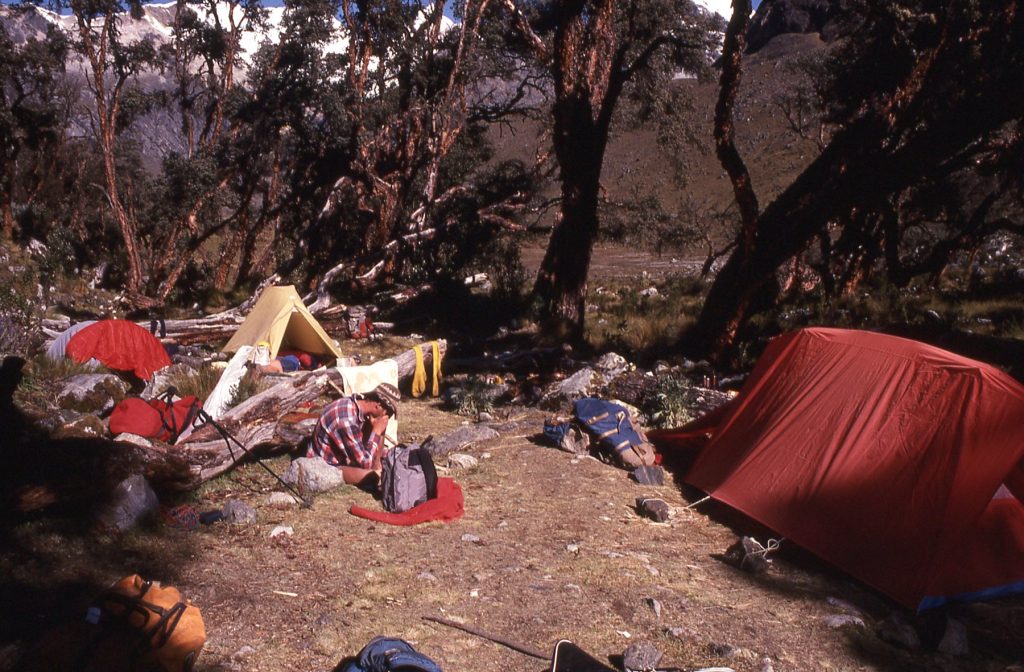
(436, 353)
(419, 376)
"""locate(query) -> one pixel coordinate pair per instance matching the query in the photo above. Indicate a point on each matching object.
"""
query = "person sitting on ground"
(350, 434)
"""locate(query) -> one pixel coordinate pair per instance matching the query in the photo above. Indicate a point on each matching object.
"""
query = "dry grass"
(549, 547)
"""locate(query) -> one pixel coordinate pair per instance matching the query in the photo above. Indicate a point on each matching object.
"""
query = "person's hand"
(379, 424)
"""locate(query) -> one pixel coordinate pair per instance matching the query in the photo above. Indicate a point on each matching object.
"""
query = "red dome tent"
(121, 345)
(900, 463)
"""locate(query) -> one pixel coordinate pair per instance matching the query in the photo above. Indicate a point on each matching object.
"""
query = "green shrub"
(667, 405)
(475, 396)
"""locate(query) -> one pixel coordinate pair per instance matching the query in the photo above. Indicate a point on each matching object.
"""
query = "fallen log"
(407, 360)
(263, 420)
(253, 423)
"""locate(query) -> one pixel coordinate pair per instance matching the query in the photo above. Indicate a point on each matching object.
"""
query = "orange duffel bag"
(134, 626)
(170, 626)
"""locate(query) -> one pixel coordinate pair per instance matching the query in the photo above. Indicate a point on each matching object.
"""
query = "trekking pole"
(228, 438)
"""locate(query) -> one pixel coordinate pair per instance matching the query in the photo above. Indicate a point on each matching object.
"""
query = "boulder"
(459, 439)
(310, 475)
(611, 365)
(954, 639)
(462, 461)
(653, 508)
(749, 555)
(92, 392)
(564, 392)
(640, 657)
(133, 502)
(238, 512)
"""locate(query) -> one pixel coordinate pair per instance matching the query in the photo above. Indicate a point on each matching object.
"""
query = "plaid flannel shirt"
(338, 437)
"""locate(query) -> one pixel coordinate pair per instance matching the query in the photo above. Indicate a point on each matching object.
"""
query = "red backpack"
(159, 418)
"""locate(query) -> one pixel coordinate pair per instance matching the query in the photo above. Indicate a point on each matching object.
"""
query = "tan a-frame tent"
(282, 320)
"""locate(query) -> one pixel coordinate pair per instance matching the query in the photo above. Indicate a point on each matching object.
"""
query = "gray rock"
(611, 365)
(896, 630)
(954, 639)
(311, 475)
(282, 530)
(766, 665)
(681, 633)
(651, 475)
(578, 385)
(238, 512)
(459, 439)
(641, 657)
(282, 500)
(749, 555)
(653, 508)
(133, 502)
(92, 392)
(462, 461)
(842, 620)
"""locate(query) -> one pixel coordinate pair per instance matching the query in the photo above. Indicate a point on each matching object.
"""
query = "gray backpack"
(408, 478)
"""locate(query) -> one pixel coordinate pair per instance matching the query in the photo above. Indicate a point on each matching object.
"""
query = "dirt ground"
(550, 547)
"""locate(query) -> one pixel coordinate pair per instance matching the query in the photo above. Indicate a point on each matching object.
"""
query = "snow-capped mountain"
(157, 24)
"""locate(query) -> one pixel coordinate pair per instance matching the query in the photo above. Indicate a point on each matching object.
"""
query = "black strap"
(422, 457)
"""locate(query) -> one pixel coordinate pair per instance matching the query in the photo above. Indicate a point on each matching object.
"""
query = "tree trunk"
(562, 278)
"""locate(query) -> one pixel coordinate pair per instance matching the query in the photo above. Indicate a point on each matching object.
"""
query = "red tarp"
(120, 345)
(881, 455)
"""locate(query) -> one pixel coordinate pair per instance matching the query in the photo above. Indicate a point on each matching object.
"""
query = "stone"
(651, 475)
(238, 512)
(459, 439)
(896, 630)
(310, 475)
(641, 657)
(655, 606)
(470, 538)
(280, 530)
(462, 461)
(653, 508)
(954, 639)
(611, 365)
(134, 439)
(563, 393)
(133, 502)
(282, 500)
(749, 555)
(842, 620)
(92, 392)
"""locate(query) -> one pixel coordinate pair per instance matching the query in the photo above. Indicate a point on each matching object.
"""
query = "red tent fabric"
(120, 345)
(883, 456)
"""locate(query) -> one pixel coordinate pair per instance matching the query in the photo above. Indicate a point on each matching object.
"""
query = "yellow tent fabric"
(281, 319)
